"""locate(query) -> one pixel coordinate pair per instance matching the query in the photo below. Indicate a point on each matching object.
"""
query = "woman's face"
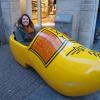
(25, 20)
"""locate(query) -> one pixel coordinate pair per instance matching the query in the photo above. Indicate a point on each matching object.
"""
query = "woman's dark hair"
(20, 20)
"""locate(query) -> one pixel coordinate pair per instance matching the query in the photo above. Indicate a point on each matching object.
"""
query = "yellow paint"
(67, 66)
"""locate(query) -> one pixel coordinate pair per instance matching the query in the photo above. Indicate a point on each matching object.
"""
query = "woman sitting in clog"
(25, 31)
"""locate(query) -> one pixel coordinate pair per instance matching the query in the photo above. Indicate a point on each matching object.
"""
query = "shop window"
(48, 8)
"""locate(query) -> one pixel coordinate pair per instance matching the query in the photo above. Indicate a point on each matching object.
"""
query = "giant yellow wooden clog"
(68, 67)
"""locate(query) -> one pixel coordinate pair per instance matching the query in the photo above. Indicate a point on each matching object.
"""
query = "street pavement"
(18, 83)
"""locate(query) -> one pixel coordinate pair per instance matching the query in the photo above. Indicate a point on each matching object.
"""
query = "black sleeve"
(18, 35)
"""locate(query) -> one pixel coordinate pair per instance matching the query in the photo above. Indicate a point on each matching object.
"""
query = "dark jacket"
(22, 36)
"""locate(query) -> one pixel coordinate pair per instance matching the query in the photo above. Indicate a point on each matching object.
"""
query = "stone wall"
(84, 14)
(88, 15)
(70, 7)
(10, 13)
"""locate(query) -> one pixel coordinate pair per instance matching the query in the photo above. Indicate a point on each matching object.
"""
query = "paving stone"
(17, 83)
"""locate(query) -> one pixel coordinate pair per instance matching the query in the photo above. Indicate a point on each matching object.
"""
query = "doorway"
(48, 10)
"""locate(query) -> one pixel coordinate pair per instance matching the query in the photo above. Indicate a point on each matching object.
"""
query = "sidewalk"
(17, 83)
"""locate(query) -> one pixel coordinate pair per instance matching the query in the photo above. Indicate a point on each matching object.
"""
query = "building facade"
(83, 12)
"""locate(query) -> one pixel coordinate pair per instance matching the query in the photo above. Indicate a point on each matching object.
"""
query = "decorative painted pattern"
(47, 45)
